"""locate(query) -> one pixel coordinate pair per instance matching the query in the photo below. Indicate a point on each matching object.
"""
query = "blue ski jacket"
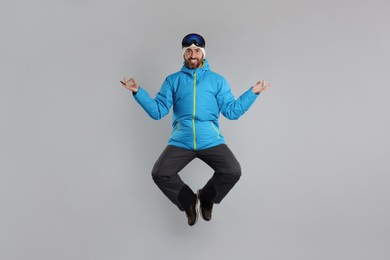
(198, 96)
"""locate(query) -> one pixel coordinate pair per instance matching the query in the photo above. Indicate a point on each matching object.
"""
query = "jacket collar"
(201, 69)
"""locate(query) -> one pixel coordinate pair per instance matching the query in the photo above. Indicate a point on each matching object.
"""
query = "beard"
(193, 63)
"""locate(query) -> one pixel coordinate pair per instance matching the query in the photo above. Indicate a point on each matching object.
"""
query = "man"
(198, 96)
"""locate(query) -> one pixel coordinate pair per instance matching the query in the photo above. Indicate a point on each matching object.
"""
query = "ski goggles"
(193, 38)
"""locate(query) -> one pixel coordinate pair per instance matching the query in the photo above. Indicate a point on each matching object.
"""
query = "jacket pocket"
(216, 130)
(175, 130)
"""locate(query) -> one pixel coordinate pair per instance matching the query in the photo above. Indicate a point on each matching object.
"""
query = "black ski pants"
(227, 172)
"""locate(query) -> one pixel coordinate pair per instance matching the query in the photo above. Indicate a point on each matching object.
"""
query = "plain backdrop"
(77, 150)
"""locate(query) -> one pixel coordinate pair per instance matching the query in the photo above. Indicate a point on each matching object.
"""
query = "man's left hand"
(260, 87)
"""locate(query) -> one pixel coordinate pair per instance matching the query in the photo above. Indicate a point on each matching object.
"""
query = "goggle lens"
(193, 38)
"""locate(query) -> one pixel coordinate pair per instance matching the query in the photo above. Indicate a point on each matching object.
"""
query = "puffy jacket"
(198, 97)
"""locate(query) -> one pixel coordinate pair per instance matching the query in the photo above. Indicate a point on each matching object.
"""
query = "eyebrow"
(196, 49)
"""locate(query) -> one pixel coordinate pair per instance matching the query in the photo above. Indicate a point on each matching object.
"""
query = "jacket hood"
(202, 68)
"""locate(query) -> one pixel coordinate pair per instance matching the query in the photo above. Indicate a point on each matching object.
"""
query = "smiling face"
(193, 57)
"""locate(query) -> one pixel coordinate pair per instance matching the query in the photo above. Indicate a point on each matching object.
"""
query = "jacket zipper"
(194, 113)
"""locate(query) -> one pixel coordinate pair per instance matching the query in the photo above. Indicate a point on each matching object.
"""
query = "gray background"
(76, 150)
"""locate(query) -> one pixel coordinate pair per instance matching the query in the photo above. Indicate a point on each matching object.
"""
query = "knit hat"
(194, 46)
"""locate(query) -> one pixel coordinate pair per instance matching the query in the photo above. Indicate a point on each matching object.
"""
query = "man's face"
(193, 57)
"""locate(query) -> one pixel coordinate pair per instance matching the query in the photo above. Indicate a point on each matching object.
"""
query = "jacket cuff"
(254, 93)
(139, 94)
(250, 95)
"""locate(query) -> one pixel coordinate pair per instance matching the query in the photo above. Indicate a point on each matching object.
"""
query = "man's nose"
(193, 54)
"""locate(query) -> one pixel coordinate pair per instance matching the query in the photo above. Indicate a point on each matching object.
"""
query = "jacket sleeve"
(231, 108)
(158, 107)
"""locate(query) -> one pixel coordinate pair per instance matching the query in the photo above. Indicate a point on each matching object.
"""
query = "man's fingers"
(261, 86)
(265, 87)
(125, 81)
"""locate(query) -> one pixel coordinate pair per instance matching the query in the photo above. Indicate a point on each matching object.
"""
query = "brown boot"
(206, 207)
(192, 212)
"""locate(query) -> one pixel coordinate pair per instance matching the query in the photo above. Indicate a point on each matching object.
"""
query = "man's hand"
(130, 84)
(260, 87)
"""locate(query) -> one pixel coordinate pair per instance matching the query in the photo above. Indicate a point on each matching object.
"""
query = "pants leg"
(165, 174)
(227, 172)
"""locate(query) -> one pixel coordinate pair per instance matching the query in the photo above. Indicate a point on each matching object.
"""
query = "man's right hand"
(130, 84)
